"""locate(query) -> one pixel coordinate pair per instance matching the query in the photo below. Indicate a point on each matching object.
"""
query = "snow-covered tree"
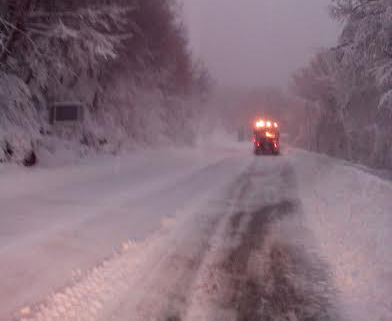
(127, 60)
(354, 92)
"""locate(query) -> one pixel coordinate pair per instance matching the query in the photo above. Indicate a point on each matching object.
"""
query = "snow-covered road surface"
(55, 223)
(213, 234)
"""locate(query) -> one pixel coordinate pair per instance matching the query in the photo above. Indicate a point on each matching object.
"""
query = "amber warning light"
(268, 124)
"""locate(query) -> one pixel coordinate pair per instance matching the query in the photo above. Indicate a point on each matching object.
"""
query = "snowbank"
(350, 214)
(19, 120)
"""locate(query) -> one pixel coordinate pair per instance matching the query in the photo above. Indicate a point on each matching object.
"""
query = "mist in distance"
(252, 43)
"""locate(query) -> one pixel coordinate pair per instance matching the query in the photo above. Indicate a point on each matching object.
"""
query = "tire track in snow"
(244, 291)
(229, 266)
(273, 280)
(167, 287)
(261, 276)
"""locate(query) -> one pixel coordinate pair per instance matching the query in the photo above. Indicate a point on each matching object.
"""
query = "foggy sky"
(258, 42)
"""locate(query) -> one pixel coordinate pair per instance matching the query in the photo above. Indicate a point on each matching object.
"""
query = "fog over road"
(213, 233)
(255, 43)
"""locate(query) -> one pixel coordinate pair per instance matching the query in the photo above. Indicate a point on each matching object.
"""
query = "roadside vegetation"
(127, 61)
(346, 91)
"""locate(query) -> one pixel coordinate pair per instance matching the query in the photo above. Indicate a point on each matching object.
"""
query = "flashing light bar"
(269, 124)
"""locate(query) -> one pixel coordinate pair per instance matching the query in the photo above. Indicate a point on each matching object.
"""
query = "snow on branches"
(19, 120)
(51, 55)
(62, 44)
(98, 28)
(128, 61)
(366, 42)
(352, 83)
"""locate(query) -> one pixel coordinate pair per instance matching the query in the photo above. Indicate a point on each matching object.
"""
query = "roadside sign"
(66, 113)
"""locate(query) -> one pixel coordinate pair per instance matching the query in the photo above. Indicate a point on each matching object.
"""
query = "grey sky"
(258, 42)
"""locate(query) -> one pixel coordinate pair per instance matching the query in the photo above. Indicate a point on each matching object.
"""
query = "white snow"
(349, 213)
(74, 240)
(57, 221)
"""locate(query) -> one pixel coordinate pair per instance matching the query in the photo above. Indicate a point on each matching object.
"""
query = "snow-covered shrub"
(19, 119)
(127, 62)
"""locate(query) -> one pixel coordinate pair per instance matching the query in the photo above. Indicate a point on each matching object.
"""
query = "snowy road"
(231, 267)
(196, 235)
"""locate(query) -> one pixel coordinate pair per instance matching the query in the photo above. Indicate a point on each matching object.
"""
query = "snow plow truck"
(266, 138)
